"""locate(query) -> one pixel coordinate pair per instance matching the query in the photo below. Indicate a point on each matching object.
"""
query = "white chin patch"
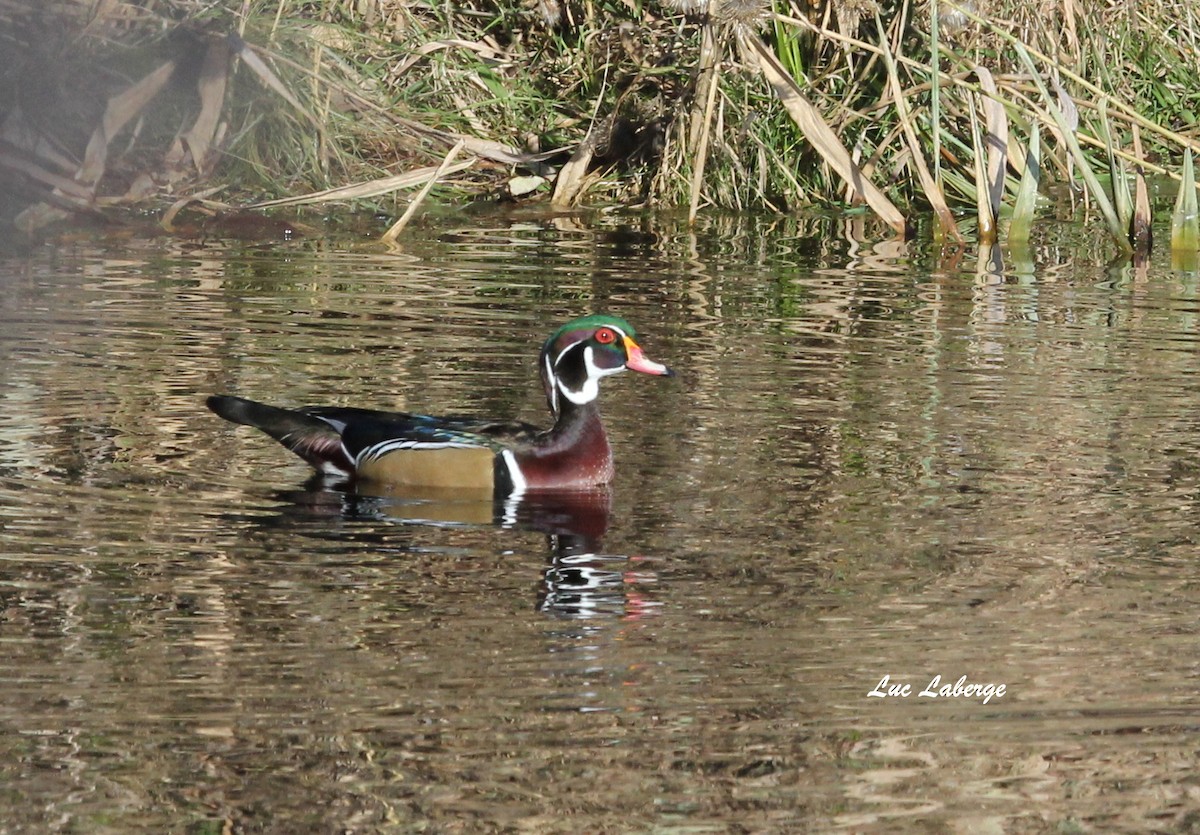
(591, 386)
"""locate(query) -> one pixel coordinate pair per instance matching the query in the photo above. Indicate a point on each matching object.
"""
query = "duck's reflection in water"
(580, 580)
(586, 584)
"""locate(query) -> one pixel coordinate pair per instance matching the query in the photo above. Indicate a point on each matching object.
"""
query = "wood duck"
(461, 453)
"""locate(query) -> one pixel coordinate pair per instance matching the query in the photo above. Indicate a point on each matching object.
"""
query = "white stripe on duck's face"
(579, 381)
(590, 389)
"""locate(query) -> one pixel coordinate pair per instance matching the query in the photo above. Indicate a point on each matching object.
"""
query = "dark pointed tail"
(314, 440)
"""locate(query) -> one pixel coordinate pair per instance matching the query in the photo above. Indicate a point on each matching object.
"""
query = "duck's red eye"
(606, 336)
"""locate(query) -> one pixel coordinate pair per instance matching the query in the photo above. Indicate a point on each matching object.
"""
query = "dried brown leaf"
(259, 67)
(987, 216)
(573, 178)
(702, 122)
(396, 228)
(120, 110)
(372, 188)
(63, 185)
(818, 132)
(211, 86)
(168, 219)
(933, 192)
(481, 48)
(995, 140)
(1140, 230)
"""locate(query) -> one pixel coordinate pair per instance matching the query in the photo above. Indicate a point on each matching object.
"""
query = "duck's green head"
(582, 351)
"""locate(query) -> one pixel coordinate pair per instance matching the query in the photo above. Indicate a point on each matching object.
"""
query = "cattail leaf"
(995, 140)
(1185, 222)
(1122, 199)
(1140, 234)
(1064, 122)
(933, 192)
(1025, 204)
(935, 92)
(983, 206)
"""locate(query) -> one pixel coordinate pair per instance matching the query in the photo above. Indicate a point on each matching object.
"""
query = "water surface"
(878, 459)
